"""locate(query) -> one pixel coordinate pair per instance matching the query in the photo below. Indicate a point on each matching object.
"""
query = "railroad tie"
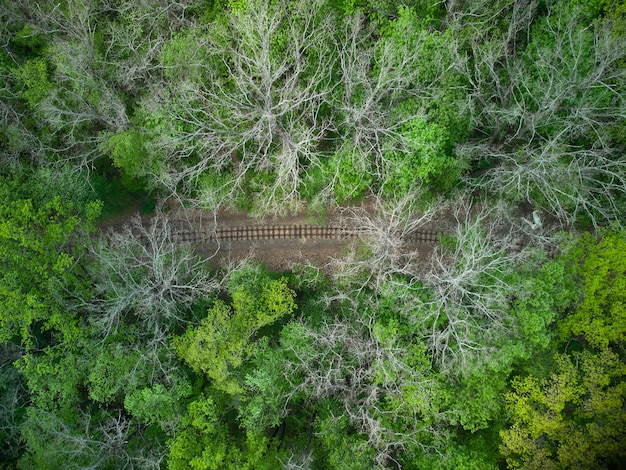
(282, 231)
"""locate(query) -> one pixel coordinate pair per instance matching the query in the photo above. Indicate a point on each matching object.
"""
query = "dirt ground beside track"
(278, 254)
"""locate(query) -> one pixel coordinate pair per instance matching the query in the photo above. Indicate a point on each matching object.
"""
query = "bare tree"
(134, 40)
(567, 181)
(258, 110)
(384, 232)
(299, 461)
(503, 24)
(86, 444)
(93, 66)
(458, 298)
(549, 118)
(470, 283)
(13, 396)
(368, 371)
(143, 272)
(82, 101)
(19, 141)
(288, 91)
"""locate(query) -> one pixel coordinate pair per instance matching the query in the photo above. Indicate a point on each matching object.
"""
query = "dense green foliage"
(503, 347)
(573, 419)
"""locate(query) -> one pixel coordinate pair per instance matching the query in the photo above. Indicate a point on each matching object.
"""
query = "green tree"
(129, 155)
(225, 338)
(434, 117)
(426, 158)
(209, 440)
(34, 79)
(340, 444)
(158, 405)
(575, 418)
(115, 371)
(36, 245)
(600, 315)
(54, 379)
(549, 291)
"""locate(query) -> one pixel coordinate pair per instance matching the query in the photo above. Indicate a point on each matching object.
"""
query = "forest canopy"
(500, 122)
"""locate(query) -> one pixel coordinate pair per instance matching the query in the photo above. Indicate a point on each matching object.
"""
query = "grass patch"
(316, 212)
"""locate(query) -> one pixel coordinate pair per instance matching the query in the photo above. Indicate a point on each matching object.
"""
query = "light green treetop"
(225, 338)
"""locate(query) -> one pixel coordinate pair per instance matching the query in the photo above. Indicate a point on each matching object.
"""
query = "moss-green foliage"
(225, 338)
(228, 102)
(34, 248)
(206, 442)
(556, 126)
(33, 78)
(345, 170)
(129, 155)
(600, 314)
(573, 419)
(426, 159)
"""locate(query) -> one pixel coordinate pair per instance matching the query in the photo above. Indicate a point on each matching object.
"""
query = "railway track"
(184, 232)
